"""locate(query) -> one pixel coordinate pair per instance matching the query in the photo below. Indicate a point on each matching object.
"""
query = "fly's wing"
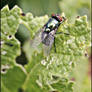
(37, 39)
(47, 44)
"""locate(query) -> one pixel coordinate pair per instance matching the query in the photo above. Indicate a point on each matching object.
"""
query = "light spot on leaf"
(4, 68)
(43, 62)
(3, 52)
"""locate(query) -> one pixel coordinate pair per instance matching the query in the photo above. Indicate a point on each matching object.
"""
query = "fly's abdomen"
(48, 40)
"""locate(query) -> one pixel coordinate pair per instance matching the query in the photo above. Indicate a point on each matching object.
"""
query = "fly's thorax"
(51, 25)
(53, 32)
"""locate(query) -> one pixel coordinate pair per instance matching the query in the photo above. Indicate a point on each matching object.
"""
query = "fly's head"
(58, 18)
(54, 23)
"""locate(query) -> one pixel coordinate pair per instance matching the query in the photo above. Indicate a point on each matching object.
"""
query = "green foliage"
(74, 8)
(12, 79)
(40, 7)
(13, 75)
(10, 47)
(80, 75)
(41, 74)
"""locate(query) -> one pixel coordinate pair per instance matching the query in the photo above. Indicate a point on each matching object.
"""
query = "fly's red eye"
(60, 18)
(53, 15)
(57, 17)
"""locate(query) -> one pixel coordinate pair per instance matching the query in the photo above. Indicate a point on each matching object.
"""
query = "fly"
(46, 34)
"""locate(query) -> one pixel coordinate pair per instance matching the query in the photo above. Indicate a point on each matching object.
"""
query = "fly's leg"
(62, 33)
(54, 45)
(54, 39)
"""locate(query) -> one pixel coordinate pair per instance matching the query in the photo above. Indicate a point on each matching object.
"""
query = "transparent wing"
(48, 41)
(45, 38)
(37, 39)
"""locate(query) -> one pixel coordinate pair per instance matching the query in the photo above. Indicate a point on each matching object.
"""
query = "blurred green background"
(72, 9)
(41, 7)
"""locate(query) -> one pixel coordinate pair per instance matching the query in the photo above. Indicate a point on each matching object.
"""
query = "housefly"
(46, 35)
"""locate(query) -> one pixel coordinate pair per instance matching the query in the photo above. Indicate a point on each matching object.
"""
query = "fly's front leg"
(54, 45)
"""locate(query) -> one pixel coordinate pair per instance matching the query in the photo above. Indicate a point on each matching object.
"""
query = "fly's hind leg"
(62, 33)
(54, 39)
(54, 45)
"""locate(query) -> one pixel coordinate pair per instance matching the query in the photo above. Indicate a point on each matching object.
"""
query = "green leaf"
(13, 75)
(13, 79)
(81, 76)
(10, 46)
(44, 73)
(76, 42)
(33, 24)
